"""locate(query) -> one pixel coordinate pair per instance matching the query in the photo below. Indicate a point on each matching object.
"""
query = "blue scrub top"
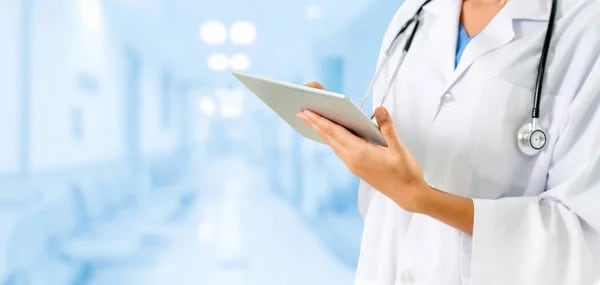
(461, 43)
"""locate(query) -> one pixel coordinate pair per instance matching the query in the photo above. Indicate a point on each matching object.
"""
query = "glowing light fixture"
(314, 12)
(231, 102)
(207, 106)
(242, 33)
(213, 32)
(239, 61)
(90, 14)
(218, 61)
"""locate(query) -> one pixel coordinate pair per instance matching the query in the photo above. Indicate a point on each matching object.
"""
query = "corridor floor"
(236, 234)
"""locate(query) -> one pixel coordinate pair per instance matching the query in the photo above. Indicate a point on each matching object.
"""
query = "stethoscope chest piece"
(531, 139)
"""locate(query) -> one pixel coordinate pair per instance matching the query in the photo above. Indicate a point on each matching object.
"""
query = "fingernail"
(381, 114)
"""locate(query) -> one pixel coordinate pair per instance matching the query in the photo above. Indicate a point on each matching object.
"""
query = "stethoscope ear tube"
(390, 50)
(541, 72)
(531, 138)
(412, 35)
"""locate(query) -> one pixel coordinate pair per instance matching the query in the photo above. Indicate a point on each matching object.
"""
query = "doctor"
(465, 192)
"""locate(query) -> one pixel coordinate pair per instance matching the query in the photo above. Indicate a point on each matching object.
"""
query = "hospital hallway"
(238, 233)
(130, 154)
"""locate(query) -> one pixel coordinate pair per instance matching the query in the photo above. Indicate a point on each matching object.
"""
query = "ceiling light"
(218, 61)
(231, 102)
(207, 106)
(314, 12)
(239, 61)
(242, 33)
(90, 14)
(213, 32)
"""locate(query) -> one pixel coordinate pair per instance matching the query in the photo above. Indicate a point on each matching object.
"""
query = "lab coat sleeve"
(553, 238)
(365, 195)
(366, 192)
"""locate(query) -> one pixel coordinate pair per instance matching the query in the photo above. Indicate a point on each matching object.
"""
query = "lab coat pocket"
(498, 165)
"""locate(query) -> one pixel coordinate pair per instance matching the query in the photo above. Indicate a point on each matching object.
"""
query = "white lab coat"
(537, 219)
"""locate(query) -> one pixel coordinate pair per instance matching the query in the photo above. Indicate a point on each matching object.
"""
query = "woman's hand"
(392, 170)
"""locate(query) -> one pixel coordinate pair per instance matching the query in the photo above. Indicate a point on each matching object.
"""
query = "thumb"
(315, 84)
(387, 128)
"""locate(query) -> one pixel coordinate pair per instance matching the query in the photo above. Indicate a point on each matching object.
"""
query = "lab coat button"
(447, 98)
(407, 278)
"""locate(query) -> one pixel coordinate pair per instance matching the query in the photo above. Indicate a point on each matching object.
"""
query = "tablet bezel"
(287, 99)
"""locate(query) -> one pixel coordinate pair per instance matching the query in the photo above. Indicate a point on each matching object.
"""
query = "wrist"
(423, 199)
(453, 210)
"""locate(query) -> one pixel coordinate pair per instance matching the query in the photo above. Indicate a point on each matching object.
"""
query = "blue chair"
(90, 245)
(29, 255)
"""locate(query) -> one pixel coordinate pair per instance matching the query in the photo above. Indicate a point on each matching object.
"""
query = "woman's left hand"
(392, 170)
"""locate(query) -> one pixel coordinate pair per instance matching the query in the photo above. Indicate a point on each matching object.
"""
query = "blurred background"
(130, 155)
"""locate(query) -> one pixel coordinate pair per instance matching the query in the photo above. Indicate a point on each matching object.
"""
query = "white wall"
(64, 46)
(10, 20)
(155, 137)
(359, 44)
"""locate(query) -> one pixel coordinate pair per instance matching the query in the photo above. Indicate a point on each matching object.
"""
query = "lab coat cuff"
(365, 195)
(483, 245)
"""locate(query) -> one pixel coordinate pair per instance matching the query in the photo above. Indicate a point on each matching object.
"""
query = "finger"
(387, 128)
(326, 133)
(315, 84)
(338, 133)
(337, 147)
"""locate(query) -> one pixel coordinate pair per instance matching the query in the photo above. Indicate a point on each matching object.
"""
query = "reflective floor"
(238, 233)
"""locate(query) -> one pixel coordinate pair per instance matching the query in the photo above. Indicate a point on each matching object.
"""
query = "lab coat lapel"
(441, 43)
(498, 33)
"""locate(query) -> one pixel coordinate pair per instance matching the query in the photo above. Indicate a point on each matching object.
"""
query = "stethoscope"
(531, 137)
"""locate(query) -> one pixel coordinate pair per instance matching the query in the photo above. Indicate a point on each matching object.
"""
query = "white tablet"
(288, 99)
